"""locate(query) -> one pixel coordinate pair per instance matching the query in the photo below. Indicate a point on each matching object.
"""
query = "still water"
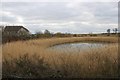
(73, 47)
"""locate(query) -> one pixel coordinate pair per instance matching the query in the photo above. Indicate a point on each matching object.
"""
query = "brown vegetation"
(29, 58)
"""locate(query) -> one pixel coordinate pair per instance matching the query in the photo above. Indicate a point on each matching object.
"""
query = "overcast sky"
(70, 17)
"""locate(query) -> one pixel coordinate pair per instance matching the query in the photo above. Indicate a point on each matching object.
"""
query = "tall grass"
(19, 59)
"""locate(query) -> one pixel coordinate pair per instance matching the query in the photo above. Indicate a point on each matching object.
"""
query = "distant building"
(15, 31)
(1, 28)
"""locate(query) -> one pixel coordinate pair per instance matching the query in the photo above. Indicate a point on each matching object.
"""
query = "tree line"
(115, 31)
(48, 34)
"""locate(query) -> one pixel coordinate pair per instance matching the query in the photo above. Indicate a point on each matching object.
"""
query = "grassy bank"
(32, 59)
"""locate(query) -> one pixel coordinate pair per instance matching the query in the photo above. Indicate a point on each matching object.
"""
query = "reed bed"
(32, 59)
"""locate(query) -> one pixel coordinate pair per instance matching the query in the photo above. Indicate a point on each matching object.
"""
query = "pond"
(73, 47)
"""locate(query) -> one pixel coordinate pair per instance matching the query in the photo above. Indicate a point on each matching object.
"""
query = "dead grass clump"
(26, 66)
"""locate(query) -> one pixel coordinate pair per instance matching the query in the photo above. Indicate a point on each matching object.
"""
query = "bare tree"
(116, 30)
(113, 30)
(108, 31)
(46, 32)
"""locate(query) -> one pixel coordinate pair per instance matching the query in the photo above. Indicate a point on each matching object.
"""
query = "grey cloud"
(63, 12)
(39, 11)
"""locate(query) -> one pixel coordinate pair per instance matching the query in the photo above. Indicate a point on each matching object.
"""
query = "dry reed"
(101, 62)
